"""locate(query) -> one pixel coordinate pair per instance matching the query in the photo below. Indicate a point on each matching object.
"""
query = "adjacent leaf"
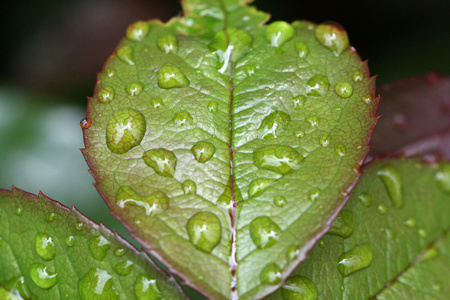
(376, 244)
(51, 252)
(224, 145)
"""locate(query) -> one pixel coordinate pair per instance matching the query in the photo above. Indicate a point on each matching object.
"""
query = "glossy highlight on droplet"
(189, 187)
(182, 118)
(134, 89)
(171, 77)
(213, 106)
(279, 201)
(270, 274)
(154, 203)
(85, 123)
(41, 275)
(344, 89)
(365, 199)
(18, 286)
(358, 258)
(70, 241)
(105, 95)
(302, 49)
(278, 33)
(381, 208)
(98, 247)
(442, 177)
(203, 151)
(125, 54)
(156, 103)
(343, 225)
(97, 284)
(273, 124)
(277, 158)
(205, 231)
(168, 44)
(163, 161)
(333, 37)
(264, 232)
(50, 217)
(257, 186)
(146, 287)
(138, 30)
(393, 183)
(357, 77)
(299, 287)
(123, 268)
(45, 246)
(317, 85)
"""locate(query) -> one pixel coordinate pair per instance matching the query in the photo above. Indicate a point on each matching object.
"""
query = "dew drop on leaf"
(213, 106)
(344, 89)
(410, 222)
(278, 33)
(324, 141)
(270, 274)
(279, 201)
(45, 246)
(156, 103)
(153, 204)
(110, 73)
(340, 149)
(50, 217)
(182, 117)
(299, 133)
(313, 121)
(277, 158)
(163, 161)
(257, 186)
(79, 226)
(146, 287)
(171, 77)
(189, 187)
(443, 177)
(106, 95)
(299, 287)
(203, 151)
(365, 199)
(134, 89)
(381, 208)
(98, 247)
(16, 286)
(292, 252)
(42, 276)
(299, 101)
(125, 54)
(422, 233)
(123, 268)
(168, 44)
(357, 77)
(313, 194)
(205, 230)
(19, 211)
(367, 98)
(138, 30)
(390, 233)
(322, 243)
(302, 49)
(97, 284)
(249, 70)
(264, 232)
(317, 85)
(119, 252)
(356, 259)
(343, 225)
(85, 123)
(333, 37)
(393, 182)
(70, 240)
(272, 125)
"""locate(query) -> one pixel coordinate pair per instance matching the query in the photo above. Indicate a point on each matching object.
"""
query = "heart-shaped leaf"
(226, 146)
(51, 252)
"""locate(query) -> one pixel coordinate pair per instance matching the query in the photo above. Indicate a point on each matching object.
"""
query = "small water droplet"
(97, 284)
(393, 182)
(213, 106)
(85, 123)
(422, 233)
(273, 124)
(279, 201)
(189, 187)
(367, 98)
(168, 44)
(381, 208)
(313, 121)
(110, 73)
(365, 199)
(313, 194)
(257, 186)
(410, 222)
(145, 287)
(270, 274)
(343, 225)
(278, 33)
(324, 141)
(154, 203)
(264, 232)
(292, 252)
(138, 31)
(357, 77)
(156, 103)
(45, 246)
(299, 287)
(171, 77)
(322, 243)
(317, 85)
(106, 95)
(125, 54)
(50, 217)
(333, 37)
(390, 233)
(125, 130)
(123, 268)
(119, 252)
(442, 177)
(300, 101)
(430, 254)
(182, 117)
(134, 89)
(203, 151)
(205, 230)
(19, 211)
(356, 259)
(277, 158)
(340, 149)
(250, 70)
(98, 246)
(42, 276)
(299, 133)
(344, 89)
(70, 240)
(17, 286)
(79, 226)
(163, 161)
(302, 49)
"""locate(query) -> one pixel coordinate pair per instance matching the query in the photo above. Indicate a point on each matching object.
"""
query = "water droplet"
(367, 98)
(19, 211)
(278, 33)
(279, 201)
(443, 177)
(189, 187)
(124, 268)
(277, 158)
(138, 31)
(317, 85)
(273, 124)
(357, 77)
(70, 240)
(322, 243)
(119, 252)
(85, 123)
(125, 130)
(343, 224)
(299, 133)
(270, 274)
(299, 287)
(106, 95)
(393, 182)
(390, 233)
(168, 44)
(17, 286)
(340, 149)
(50, 217)
(302, 49)
(381, 208)
(410, 222)
(356, 259)
(110, 73)
(154, 203)
(213, 106)
(324, 141)
(145, 287)
(42, 276)
(97, 284)
(313, 194)
(365, 199)
(45, 246)
(264, 232)
(292, 252)
(171, 77)
(182, 117)
(134, 89)
(422, 233)
(344, 89)
(156, 103)
(163, 161)
(432, 252)
(79, 226)
(205, 230)
(257, 186)
(98, 246)
(125, 54)
(203, 151)
(333, 37)
(300, 101)
(250, 70)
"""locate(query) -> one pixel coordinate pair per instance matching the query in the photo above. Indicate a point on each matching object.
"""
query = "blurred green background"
(52, 49)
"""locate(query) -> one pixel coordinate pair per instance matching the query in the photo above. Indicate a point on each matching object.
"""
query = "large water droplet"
(18, 286)
(213, 106)
(125, 130)
(333, 37)
(134, 89)
(273, 124)
(357, 77)
(98, 246)
(138, 30)
(106, 95)
(205, 230)
(365, 199)
(317, 85)
(344, 89)
(356, 259)
(299, 287)
(171, 77)
(257, 186)
(381, 208)
(145, 287)
(125, 54)
(343, 224)
(42, 276)
(189, 187)
(203, 151)
(85, 123)
(393, 182)
(153, 204)
(443, 177)
(163, 161)
(302, 49)
(70, 240)
(123, 268)
(278, 33)
(279, 201)
(97, 284)
(277, 158)
(264, 232)
(182, 117)
(270, 274)
(45, 246)
(168, 44)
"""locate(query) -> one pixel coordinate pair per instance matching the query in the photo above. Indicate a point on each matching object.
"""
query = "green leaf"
(388, 246)
(252, 137)
(51, 252)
